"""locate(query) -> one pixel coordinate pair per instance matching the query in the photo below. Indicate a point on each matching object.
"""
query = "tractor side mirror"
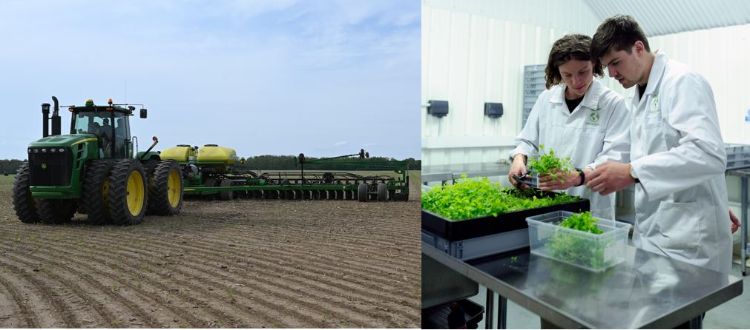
(144, 113)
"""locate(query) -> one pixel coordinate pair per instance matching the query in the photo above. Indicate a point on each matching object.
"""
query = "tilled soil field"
(240, 263)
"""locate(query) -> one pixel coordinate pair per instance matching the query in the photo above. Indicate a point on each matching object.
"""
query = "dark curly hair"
(569, 47)
(618, 33)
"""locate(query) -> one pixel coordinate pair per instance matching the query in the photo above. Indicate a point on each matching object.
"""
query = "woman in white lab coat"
(677, 153)
(577, 117)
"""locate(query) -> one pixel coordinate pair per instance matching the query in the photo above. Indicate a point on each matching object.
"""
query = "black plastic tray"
(437, 317)
(465, 229)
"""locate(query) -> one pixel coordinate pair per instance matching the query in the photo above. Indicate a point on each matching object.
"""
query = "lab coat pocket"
(655, 141)
(679, 226)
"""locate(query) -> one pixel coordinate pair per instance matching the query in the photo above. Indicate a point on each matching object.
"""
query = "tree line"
(9, 166)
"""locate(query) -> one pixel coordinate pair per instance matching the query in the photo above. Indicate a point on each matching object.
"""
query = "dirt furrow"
(25, 313)
(364, 280)
(62, 311)
(366, 245)
(214, 304)
(270, 274)
(114, 316)
(84, 297)
(271, 290)
(314, 261)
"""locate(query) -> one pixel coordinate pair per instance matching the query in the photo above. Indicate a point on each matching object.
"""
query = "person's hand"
(517, 168)
(559, 181)
(735, 222)
(610, 177)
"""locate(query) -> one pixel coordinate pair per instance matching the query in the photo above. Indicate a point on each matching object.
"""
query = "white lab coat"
(678, 154)
(595, 132)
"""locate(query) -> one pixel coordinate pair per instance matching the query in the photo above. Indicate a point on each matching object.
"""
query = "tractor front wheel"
(56, 210)
(127, 192)
(23, 203)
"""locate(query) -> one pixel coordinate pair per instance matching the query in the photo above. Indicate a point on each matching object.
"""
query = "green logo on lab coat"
(594, 116)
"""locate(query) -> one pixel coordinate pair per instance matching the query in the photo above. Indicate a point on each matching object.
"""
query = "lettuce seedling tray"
(452, 230)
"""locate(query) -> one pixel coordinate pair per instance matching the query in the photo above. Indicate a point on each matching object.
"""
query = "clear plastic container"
(595, 252)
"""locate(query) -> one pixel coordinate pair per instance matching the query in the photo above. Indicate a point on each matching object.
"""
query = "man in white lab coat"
(577, 117)
(677, 153)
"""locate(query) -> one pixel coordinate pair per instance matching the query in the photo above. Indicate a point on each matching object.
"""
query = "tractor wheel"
(24, 205)
(127, 193)
(56, 210)
(362, 192)
(149, 166)
(382, 192)
(226, 195)
(165, 189)
(95, 200)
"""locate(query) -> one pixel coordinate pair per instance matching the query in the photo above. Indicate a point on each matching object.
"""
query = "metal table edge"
(538, 307)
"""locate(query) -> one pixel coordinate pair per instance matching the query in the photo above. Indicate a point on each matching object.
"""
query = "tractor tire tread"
(23, 203)
(118, 193)
(158, 189)
(93, 202)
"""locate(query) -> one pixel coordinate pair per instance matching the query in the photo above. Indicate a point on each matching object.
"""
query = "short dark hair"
(569, 47)
(618, 32)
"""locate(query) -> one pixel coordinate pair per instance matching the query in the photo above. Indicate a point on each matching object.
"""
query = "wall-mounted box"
(493, 110)
(437, 108)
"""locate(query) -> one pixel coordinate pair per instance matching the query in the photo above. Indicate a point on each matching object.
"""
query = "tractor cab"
(109, 123)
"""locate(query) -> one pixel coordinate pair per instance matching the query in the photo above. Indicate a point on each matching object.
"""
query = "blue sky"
(322, 77)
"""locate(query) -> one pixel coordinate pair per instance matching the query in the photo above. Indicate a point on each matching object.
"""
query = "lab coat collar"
(657, 71)
(590, 99)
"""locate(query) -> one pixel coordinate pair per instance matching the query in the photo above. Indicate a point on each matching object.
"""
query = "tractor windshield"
(95, 122)
(100, 124)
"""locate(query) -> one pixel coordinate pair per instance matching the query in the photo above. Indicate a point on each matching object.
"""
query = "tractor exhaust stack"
(45, 119)
(56, 125)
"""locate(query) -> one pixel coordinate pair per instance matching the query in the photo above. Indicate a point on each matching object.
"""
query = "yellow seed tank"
(181, 153)
(214, 154)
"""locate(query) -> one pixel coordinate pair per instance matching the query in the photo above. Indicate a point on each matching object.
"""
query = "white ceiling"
(656, 17)
(659, 17)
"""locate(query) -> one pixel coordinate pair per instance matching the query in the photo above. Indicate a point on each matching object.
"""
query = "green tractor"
(94, 170)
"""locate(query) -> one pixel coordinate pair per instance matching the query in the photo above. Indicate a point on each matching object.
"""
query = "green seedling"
(583, 222)
(477, 198)
(550, 165)
(579, 249)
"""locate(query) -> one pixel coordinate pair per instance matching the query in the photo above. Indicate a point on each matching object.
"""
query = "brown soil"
(240, 263)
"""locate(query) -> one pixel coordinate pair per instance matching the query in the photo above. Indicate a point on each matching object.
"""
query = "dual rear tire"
(115, 192)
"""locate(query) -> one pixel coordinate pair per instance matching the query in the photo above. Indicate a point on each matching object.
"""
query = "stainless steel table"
(744, 246)
(645, 291)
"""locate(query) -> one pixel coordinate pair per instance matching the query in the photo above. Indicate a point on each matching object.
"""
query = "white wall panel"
(720, 55)
(474, 52)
